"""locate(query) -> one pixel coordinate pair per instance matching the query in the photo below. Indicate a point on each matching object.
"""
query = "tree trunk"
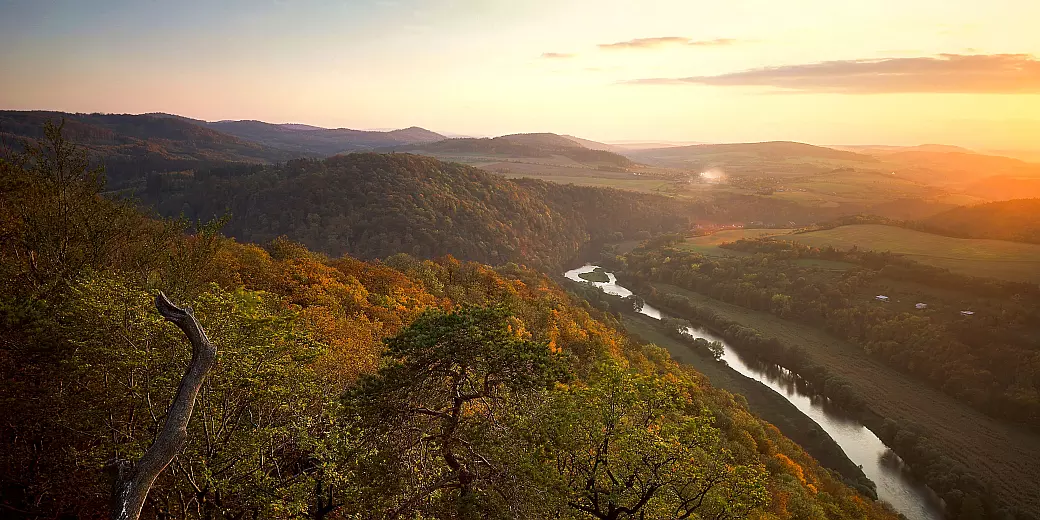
(134, 480)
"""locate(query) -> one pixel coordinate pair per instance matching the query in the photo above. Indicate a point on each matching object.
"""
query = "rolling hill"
(132, 146)
(374, 205)
(544, 146)
(1017, 220)
(768, 158)
(321, 141)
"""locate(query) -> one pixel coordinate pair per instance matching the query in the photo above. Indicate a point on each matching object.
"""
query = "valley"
(367, 242)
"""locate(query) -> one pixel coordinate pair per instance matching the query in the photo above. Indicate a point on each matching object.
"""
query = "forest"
(940, 345)
(375, 205)
(344, 388)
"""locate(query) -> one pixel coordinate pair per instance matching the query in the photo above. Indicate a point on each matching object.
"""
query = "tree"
(432, 416)
(133, 481)
(626, 448)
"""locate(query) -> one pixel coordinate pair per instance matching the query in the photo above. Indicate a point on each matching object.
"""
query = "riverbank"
(893, 482)
(762, 401)
(1004, 456)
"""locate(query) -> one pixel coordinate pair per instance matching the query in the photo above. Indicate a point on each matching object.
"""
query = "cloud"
(660, 41)
(556, 55)
(946, 73)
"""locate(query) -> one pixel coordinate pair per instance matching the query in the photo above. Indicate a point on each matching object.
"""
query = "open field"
(1007, 456)
(761, 400)
(709, 244)
(976, 257)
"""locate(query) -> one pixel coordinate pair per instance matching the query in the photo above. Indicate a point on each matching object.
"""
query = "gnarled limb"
(134, 480)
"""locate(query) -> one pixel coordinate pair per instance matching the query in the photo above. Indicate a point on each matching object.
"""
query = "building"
(881, 298)
(921, 305)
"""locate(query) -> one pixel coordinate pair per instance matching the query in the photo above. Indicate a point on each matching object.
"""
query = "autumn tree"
(627, 446)
(432, 415)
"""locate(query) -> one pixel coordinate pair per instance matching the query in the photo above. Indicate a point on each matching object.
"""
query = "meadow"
(709, 244)
(975, 257)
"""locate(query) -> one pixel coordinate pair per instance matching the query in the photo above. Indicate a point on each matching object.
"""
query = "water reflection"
(882, 466)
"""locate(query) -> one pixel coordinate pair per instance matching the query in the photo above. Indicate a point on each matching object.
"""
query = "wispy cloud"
(946, 73)
(661, 41)
(556, 55)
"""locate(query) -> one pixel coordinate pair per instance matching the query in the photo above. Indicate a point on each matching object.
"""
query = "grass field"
(976, 257)
(709, 244)
(1007, 456)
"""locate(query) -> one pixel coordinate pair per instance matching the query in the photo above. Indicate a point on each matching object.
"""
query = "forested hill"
(346, 389)
(527, 146)
(132, 146)
(321, 142)
(1017, 220)
(374, 205)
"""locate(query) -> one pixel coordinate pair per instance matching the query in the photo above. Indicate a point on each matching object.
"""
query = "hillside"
(346, 389)
(777, 157)
(525, 146)
(132, 146)
(322, 142)
(957, 168)
(970, 256)
(374, 205)
(1017, 220)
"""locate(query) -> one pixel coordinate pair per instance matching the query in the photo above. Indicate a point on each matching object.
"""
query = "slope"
(322, 142)
(282, 429)
(374, 205)
(1017, 220)
(132, 146)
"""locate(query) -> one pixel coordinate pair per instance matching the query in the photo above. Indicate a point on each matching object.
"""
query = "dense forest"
(1017, 220)
(405, 388)
(374, 205)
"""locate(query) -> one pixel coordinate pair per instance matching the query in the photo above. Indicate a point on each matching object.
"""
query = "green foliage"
(373, 206)
(631, 446)
(461, 413)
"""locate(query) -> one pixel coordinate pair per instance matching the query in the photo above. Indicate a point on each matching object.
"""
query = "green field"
(1011, 455)
(975, 257)
(709, 244)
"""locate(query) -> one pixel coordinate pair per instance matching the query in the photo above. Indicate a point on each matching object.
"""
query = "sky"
(901, 72)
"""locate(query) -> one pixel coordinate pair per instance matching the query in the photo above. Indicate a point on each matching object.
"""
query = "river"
(894, 483)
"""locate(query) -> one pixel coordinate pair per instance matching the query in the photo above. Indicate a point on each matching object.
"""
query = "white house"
(921, 305)
(881, 298)
(967, 313)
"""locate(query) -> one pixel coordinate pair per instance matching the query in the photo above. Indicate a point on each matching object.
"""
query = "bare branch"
(133, 481)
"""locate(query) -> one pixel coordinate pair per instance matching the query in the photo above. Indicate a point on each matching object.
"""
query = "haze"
(883, 72)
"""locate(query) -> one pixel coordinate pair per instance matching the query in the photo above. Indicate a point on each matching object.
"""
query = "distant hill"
(594, 145)
(1003, 187)
(374, 205)
(957, 167)
(322, 142)
(131, 146)
(768, 158)
(1017, 220)
(519, 146)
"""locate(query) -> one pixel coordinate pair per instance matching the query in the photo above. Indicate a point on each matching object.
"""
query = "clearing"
(1013, 261)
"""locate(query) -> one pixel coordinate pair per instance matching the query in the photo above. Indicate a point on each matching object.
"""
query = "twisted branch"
(133, 481)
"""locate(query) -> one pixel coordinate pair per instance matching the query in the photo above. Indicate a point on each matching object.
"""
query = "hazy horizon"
(662, 71)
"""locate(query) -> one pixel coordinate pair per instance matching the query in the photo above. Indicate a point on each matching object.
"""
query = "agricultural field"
(975, 257)
(709, 244)
(1010, 455)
